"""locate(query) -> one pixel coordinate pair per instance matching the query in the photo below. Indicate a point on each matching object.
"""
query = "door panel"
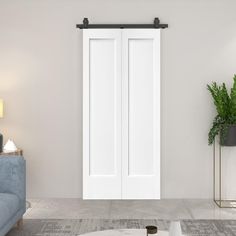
(102, 114)
(141, 114)
(103, 107)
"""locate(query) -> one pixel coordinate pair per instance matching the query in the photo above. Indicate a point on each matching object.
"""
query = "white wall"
(41, 83)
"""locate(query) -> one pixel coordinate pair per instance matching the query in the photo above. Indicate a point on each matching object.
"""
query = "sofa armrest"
(13, 176)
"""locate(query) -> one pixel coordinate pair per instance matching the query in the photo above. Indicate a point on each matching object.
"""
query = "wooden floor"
(126, 209)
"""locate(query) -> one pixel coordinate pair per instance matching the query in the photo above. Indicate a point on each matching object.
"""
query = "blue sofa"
(12, 192)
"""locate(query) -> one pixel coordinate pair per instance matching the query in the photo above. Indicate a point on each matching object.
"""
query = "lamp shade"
(1, 108)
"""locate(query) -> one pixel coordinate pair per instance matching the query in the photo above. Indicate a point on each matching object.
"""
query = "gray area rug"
(75, 227)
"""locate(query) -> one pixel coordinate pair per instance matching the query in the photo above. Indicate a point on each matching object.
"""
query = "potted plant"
(224, 124)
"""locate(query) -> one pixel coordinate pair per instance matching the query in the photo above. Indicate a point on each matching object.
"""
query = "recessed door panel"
(103, 106)
(140, 112)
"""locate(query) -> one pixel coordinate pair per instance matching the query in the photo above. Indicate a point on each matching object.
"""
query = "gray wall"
(41, 83)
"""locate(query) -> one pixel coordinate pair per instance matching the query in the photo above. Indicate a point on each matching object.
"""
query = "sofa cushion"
(9, 205)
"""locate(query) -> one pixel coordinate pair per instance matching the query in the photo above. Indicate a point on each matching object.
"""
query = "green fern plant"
(225, 104)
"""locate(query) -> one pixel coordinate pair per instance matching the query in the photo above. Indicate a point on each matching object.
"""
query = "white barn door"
(121, 114)
(101, 114)
(141, 114)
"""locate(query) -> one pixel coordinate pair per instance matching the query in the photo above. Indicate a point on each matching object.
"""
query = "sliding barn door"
(101, 114)
(141, 114)
(121, 114)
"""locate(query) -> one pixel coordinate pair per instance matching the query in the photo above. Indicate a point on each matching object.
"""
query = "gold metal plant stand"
(218, 178)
